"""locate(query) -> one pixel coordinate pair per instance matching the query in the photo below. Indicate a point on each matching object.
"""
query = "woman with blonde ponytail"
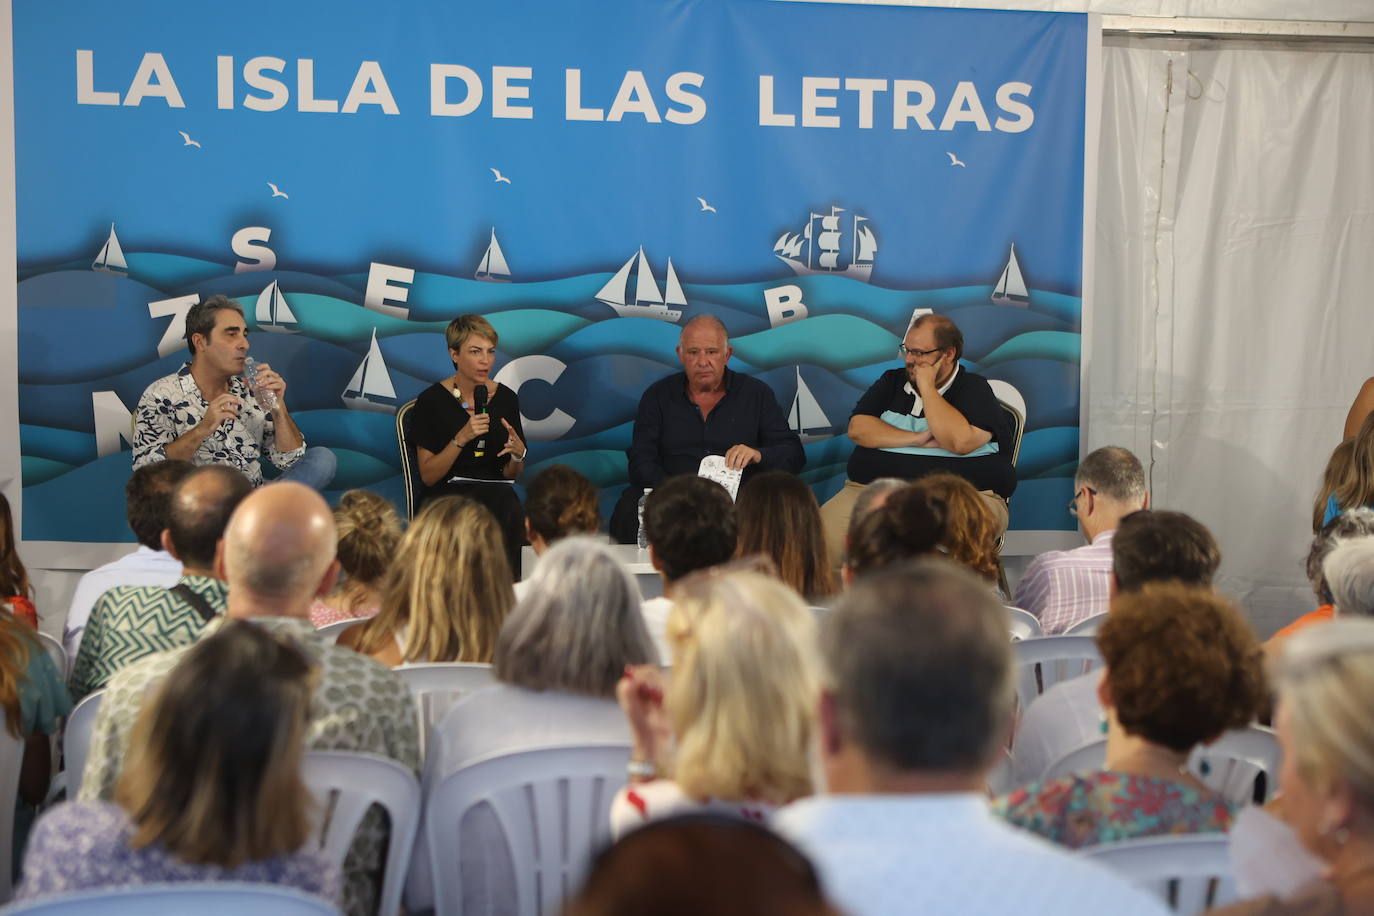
(369, 530)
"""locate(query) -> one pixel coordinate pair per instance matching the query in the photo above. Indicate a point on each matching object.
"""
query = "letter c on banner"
(546, 369)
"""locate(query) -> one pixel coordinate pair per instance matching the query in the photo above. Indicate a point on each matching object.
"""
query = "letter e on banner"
(380, 289)
(113, 422)
(174, 338)
(258, 257)
(546, 369)
(784, 304)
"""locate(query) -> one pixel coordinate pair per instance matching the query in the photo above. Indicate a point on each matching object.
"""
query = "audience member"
(1339, 468)
(559, 502)
(730, 728)
(558, 659)
(131, 622)
(913, 712)
(659, 869)
(447, 593)
(1349, 572)
(147, 497)
(212, 790)
(1360, 408)
(15, 591)
(1062, 587)
(1355, 523)
(1324, 678)
(369, 530)
(779, 518)
(1149, 546)
(277, 557)
(1182, 667)
(970, 537)
(1356, 486)
(909, 523)
(690, 523)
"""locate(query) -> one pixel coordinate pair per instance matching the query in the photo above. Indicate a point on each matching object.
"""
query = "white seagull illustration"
(705, 206)
(954, 160)
(278, 192)
(499, 176)
(186, 139)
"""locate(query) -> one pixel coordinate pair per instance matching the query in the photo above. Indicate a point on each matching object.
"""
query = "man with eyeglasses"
(928, 416)
(1062, 587)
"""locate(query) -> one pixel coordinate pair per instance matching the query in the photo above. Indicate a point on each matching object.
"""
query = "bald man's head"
(199, 510)
(279, 544)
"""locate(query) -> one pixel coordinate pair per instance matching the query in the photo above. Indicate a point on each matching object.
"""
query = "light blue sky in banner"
(414, 189)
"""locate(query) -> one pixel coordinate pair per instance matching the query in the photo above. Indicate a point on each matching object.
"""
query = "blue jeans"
(314, 469)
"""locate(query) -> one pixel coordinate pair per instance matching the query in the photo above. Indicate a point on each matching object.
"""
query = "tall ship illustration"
(1011, 286)
(647, 300)
(493, 267)
(272, 313)
(111, 257)
(806, 414)
(825, 246)
(371, 381)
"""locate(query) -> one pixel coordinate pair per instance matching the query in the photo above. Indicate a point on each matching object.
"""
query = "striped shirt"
(1062, 587)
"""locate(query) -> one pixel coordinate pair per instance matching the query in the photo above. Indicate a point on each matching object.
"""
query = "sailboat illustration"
(1011, 286)
(493, 267)
(823, 240)
(272, 312)
(648, 301)
(111, 257)
(371, 380)
(806, 413)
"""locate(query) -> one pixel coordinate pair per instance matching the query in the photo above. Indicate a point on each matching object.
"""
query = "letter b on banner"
(784, 304)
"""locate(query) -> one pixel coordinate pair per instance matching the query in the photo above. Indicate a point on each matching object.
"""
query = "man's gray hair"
(1114, 473)
(705, 318)
(1349, 572)
(919, 663)
(578, 626)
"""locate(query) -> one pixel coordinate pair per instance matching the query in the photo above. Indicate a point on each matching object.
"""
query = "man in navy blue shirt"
(707, 409)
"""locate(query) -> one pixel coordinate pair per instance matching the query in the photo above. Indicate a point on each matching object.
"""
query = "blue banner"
(587, 176)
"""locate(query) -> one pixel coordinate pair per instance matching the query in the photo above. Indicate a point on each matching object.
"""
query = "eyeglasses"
(903, 350)
(1073, 503)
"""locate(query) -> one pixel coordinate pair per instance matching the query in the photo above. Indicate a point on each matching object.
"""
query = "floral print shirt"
(1103, 807)
(173, 405)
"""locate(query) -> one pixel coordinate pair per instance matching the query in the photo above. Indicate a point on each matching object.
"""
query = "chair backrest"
(11, 760)
(438, 685)
(1044, 661)
(1188, 873)
(332, 631)
(1022, 624)
(1014, 404)
(53, 646)
(410, 464)
(551, 810)
(1085, 758)
(345, 784)
(1230, 764)
(204, 898)
(1087, 626)
(76, 741)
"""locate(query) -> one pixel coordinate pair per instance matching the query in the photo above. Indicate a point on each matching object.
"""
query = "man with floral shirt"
(205, 413)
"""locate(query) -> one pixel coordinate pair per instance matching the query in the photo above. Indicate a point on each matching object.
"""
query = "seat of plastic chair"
(1021, 623)
(1044, 661)
(76, 740)
(345, 784)
(332, 631)
(203, 898)
(551, 809)
(1087, 626)
(1188, 873)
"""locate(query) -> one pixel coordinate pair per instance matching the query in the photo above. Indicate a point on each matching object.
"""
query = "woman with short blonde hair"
(738, 705)
(212, 788)
(448, 591)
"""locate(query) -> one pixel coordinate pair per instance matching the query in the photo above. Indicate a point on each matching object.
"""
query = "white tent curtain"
(1231, 321)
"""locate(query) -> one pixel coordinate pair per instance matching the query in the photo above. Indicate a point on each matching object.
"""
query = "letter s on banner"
(546, 369)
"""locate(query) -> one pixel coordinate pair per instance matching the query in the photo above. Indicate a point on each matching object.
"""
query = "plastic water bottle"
(643, 538)
(267, 399)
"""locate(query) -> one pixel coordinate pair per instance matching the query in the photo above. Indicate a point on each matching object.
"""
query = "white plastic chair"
(11, 760)
(345, 784)
(438, 685)
(1054, 659)
(1086, 758)
(54, 648)
(208, 898)
(552, 810)
(1022, 624)
(1188, 873)
(332, 631)
(76, 742)
(1087, 626)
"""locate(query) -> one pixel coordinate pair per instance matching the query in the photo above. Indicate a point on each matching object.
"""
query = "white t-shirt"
(636, 805)
(656, 619)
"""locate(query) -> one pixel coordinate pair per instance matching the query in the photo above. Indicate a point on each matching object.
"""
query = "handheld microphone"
(479, 405)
